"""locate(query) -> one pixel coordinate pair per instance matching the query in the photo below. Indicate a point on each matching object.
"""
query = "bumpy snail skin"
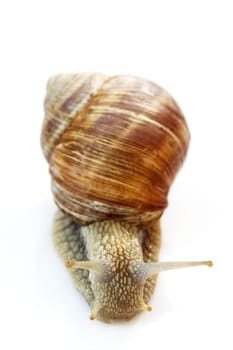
(113, 294)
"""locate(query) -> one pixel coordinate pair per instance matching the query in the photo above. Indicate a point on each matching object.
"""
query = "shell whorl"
(66, 95)
(114, 145)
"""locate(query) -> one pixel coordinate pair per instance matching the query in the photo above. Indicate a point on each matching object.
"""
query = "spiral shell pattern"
(114, 145)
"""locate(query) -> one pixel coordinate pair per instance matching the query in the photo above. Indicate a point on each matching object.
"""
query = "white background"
(186, 47)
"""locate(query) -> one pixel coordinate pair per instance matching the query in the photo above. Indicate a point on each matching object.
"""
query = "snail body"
(114, 145)
(114, 290)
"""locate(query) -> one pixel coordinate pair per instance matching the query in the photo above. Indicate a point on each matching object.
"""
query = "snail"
(114, 146)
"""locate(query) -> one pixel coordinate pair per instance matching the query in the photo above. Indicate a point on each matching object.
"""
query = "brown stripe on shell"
(119, 155)
(82, 176)
(159, 112)
(111, 125)
(66, 96)
(143, 96)
(127, 184)
(86, 213)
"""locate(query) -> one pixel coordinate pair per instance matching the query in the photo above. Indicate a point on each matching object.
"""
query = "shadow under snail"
(114, 146)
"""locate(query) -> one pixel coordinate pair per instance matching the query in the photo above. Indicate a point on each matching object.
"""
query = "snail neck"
(110, 241)
(114, 248)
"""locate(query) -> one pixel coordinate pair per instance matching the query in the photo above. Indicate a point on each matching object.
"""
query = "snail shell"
(114, 145)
